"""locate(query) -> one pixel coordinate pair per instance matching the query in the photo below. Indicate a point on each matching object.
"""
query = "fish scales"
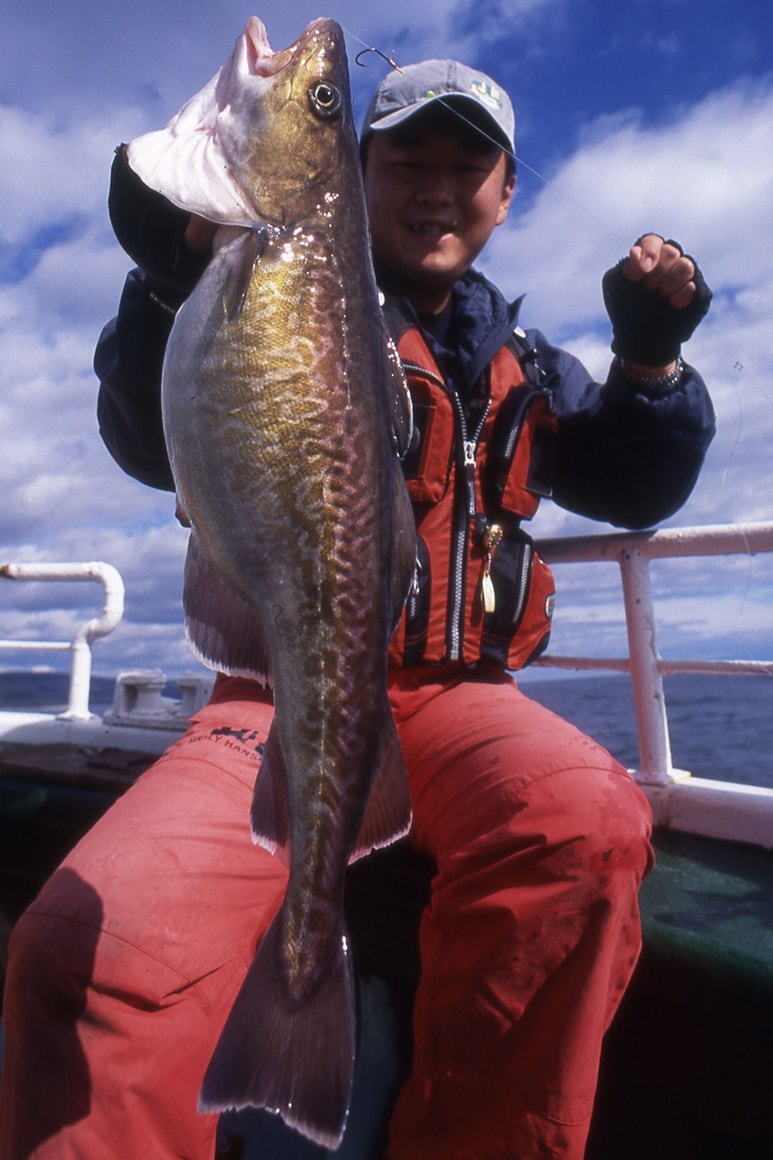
(280, 397)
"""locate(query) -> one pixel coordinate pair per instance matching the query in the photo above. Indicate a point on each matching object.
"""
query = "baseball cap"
(406, 91)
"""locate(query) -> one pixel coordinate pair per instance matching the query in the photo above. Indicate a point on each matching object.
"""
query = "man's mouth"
(432, 230)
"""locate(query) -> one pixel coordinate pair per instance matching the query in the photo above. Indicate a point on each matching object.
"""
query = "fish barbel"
(284, 408)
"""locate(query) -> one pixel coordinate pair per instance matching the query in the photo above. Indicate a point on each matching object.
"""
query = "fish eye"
(326, 99)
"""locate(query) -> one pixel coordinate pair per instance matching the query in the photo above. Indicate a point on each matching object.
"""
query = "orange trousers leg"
(122, 971)
(541, 840)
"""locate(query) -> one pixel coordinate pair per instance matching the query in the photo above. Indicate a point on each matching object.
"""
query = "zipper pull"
(491, 537)
(488, 598)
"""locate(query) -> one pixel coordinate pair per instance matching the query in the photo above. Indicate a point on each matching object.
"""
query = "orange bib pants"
(123, 970)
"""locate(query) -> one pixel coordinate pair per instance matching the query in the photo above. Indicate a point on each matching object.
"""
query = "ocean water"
(721, 727)
(47, 692)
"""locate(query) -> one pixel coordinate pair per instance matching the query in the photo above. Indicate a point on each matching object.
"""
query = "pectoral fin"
(241, 259)
(221, 627)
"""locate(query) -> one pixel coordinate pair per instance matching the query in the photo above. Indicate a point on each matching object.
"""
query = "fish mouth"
(265, 62)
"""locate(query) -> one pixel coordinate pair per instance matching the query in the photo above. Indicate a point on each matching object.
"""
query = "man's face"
(435, 190)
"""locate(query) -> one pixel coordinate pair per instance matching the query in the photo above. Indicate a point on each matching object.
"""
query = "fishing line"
(519, 161)
(742, 371)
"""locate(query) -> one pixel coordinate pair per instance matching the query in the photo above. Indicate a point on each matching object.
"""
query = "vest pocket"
(427, 466)
(519, 461)
(518, 629)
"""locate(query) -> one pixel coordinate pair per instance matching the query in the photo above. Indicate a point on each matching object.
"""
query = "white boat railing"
(700, 805)
(679, 799)
(79, 646)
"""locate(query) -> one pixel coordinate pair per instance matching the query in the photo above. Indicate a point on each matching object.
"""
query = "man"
(124, 969)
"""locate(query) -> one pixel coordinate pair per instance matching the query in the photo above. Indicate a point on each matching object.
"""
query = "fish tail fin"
(294, 1057)
(388, 810)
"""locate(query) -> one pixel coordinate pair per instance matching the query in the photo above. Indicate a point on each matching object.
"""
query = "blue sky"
(632, 115)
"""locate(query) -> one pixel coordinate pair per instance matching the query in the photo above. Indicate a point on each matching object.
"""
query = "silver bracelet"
(658, 383)
(167, 306)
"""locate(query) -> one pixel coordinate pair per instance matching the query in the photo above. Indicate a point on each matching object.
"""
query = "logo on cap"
(488, 93)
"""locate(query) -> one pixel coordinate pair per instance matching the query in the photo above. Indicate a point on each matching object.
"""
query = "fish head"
(268, 140)
(291, 117)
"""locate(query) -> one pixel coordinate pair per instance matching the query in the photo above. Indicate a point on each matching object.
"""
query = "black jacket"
(623, 456)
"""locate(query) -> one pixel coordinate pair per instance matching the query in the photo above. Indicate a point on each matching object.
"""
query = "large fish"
(284, 411)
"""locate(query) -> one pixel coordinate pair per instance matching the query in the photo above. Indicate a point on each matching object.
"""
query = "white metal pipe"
(717, 540)
(716, 809)
(649, 700)
(80, 646)
(667, 668)
(35, 645)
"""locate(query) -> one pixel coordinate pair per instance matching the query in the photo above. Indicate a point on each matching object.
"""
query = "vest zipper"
(466, 507)
(524, 572)
(465, 512)
(530, 397)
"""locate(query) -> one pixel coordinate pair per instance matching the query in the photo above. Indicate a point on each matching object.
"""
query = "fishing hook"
(390, 61)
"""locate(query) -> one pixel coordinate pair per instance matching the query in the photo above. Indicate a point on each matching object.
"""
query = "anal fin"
(270, 815)
(388, 810)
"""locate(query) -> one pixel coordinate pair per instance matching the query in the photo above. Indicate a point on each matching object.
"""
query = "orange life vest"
(481, 592)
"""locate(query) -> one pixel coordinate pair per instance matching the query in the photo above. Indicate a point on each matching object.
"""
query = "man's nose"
(436, 185)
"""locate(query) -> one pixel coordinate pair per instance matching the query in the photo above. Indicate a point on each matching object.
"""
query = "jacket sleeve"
(624, 454)
(130, 350)
(128, 361)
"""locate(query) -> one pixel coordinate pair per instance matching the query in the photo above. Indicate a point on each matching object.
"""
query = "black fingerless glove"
(150, 228)
(647, 328)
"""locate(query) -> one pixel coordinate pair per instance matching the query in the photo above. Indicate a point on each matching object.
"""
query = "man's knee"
(587, 824)
(619, 840)
(53, 945)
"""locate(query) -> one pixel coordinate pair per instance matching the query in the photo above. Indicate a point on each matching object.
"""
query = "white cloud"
(59, 169)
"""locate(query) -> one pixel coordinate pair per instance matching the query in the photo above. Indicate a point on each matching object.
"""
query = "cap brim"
(480, 118)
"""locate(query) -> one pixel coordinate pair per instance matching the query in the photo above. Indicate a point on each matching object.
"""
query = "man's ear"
(508, 189)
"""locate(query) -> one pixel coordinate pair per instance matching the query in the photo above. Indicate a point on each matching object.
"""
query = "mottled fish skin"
(279, 392)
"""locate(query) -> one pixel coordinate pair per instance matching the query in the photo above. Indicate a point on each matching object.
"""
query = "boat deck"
(688, 1063)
